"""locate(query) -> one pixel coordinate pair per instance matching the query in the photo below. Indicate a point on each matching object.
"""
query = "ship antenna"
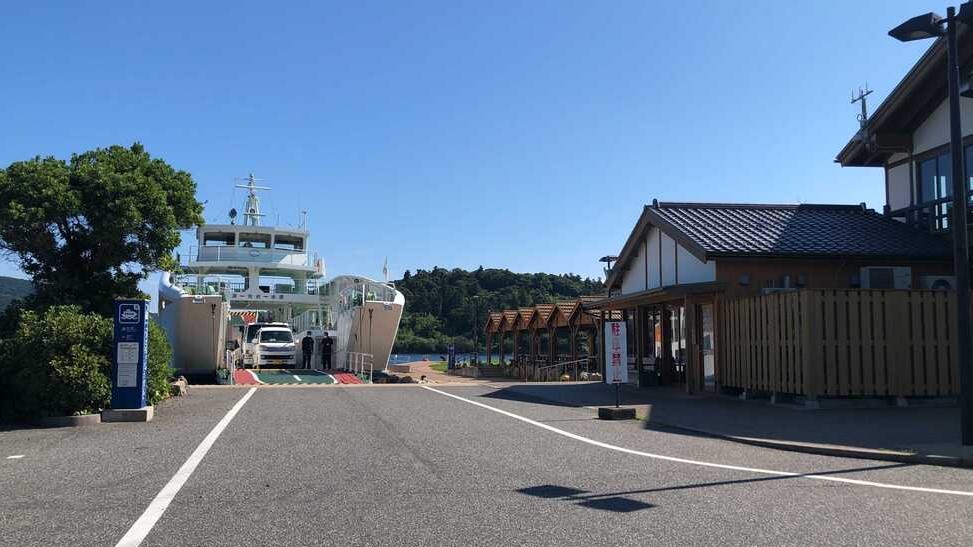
(251, 211)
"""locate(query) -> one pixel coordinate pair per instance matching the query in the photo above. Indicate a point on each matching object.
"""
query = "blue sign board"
(130, 354)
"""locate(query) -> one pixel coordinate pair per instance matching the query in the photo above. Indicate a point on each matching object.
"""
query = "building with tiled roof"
(681, 259)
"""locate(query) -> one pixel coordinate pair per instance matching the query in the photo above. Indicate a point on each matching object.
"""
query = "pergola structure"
(543, 326)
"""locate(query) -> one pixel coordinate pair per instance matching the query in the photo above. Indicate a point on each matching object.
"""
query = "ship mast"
(251, 211)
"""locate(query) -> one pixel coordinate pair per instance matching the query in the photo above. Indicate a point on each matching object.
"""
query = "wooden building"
(682, 260)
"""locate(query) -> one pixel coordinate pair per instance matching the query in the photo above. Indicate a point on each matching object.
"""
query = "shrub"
(55, 363)
(58, 362)
(159, 369)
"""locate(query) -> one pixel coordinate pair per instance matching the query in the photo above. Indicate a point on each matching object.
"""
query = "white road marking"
(255, 377)
(600, 444)
(136, 534)
(15, 457)
(296, 377)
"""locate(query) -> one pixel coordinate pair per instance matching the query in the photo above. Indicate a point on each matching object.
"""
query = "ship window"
(289, 243)
(260, 241)
(217, 239)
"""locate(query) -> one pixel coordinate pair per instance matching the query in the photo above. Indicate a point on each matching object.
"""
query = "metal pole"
(616, 394)
(961, 259)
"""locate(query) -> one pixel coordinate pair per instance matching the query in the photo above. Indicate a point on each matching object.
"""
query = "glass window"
(935, 184)
(969, 172)
(927, 180)
(276, 336)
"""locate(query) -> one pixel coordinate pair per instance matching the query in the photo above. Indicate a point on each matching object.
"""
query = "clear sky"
(524, 135)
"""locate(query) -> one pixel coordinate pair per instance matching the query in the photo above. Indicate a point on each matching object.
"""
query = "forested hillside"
(12, 289)
(439, 304)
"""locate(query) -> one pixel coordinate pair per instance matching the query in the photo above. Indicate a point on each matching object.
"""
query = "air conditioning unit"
(886, 277)
(941, 282)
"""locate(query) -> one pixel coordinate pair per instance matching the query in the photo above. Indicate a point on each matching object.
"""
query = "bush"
(58, 362)
(160, 372)
(55, 363)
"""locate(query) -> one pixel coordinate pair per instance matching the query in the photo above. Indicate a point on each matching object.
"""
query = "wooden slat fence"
(838, 343)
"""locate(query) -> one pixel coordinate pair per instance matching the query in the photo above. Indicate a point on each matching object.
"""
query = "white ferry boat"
(250, 273)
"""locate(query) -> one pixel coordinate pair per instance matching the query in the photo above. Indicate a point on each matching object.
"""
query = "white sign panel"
(128, 363)
(616, 353)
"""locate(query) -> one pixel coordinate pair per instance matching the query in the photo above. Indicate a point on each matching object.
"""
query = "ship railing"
(359, 364)
(262, 255)
(211, 284)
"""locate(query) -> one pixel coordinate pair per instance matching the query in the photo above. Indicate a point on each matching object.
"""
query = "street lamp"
(921, 27)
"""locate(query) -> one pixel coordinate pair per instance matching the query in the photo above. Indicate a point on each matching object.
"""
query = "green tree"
(88, 230)
(439, 308)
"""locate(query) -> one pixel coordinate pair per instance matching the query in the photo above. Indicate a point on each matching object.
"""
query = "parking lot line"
(617, 448)
(136, 534)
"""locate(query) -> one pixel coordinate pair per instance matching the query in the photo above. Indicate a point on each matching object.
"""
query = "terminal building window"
(935, 183)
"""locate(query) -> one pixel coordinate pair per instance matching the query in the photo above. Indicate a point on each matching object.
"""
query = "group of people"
(307, 350)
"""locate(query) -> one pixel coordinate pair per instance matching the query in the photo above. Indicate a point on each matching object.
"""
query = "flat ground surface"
(294, 376)
(407, 465)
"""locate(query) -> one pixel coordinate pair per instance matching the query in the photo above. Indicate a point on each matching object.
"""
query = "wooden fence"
(834, 343)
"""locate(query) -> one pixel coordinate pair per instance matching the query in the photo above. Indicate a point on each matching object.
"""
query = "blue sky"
(524, 135)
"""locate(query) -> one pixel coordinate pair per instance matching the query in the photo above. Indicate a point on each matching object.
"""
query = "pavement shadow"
(570, 394)
(622, 502)
(712, 415)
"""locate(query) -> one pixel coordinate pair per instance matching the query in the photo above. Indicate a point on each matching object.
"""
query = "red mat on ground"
(346, 378)
(242, 377)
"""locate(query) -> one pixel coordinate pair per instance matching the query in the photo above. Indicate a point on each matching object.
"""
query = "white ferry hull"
(370, 328)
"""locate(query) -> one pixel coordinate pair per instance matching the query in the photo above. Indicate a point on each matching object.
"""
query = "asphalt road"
(404, 465)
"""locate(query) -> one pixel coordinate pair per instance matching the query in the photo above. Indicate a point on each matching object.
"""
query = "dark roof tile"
(798, 230)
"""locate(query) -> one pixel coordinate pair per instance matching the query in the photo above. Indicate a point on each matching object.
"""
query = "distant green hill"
(11, 289)
(439, 306)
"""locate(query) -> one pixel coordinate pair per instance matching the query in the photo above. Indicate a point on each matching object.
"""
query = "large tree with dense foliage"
(439, 306)
(89, 229)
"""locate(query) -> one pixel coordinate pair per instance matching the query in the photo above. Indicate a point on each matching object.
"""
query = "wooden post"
(573, 332)
(811, 340)
(489, 339)
(899, 344)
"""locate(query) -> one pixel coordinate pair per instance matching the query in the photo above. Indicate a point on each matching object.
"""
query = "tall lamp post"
(924, 26)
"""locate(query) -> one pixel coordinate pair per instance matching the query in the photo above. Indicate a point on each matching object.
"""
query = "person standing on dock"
(326, 352)
(307, 349)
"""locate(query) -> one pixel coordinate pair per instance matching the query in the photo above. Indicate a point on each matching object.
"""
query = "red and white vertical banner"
(616, 353)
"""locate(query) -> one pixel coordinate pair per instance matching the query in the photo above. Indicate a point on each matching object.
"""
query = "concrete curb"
(840, 451)
(830, 450)
(69, 421)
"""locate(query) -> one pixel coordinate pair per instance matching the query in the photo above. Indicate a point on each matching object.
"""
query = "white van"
(274, 347)
(269, 345)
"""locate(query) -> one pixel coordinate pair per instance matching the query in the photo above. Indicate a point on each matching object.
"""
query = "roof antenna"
(862, 93)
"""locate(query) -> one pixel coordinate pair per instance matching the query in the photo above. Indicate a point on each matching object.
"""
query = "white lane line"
(810, 476)
(154, 511)
(15, 457)
(296, 377)
(255, 377)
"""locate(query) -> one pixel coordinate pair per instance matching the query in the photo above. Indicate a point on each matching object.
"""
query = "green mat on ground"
(293, 376)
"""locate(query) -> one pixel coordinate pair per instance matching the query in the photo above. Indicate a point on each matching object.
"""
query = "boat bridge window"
(289, 243)
(260, 241)
(218, 239)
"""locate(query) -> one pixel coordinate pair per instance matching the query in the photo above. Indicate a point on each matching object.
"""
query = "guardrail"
(571, 368)
(541, 370)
